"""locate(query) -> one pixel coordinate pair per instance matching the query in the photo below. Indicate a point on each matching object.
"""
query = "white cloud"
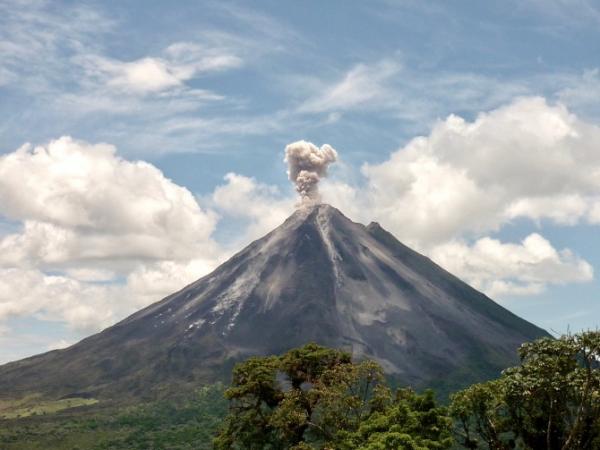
(65, 67)
(25, 292)
(527, 159)
(149, 283)
(181, 61)
(143, 75)
(35, 36)
(87, 306)
(403, 91)
(362, 84)
(192, 58)
(89, 219)
(263, 207)
(519, 269)
(38, 39)
(81, 202)
(594, 215)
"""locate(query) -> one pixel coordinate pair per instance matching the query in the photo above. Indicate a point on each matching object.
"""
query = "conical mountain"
(318, 277)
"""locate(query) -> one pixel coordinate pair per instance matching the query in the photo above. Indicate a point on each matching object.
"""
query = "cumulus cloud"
(86, 306)
(81, 202)
(526, 160)
(261, 206)
(100, 236)
(504, 268)
(307, 164)
(31, 292)
(149, 283)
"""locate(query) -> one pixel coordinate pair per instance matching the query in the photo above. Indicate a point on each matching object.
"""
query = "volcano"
(318, 277)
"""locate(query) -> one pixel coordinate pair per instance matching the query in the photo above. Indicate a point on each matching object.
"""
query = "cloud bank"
(500, 269)
(82, 202)
(98, 236)
(440, 193)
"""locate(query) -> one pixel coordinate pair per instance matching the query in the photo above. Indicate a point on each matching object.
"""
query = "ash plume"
(307, 164)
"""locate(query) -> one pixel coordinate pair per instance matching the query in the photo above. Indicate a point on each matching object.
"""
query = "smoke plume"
(307, 164)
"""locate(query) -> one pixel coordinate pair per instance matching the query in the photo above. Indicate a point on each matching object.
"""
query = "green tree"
(551, 401)
(314, 397)
(410, 421)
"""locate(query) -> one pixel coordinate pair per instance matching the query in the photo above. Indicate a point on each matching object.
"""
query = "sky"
(142, 144)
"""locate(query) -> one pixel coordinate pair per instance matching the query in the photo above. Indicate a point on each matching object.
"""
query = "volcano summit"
(319, 277)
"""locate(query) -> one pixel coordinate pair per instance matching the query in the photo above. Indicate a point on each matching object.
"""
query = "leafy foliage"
(314, 397)
(551, 401)
(410, 421)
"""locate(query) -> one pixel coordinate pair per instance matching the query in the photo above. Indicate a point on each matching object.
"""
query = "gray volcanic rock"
(318, 277)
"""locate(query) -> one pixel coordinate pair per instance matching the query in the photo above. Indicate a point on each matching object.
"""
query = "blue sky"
(469, 129)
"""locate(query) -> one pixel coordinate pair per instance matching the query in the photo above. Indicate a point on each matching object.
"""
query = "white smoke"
(307, 164)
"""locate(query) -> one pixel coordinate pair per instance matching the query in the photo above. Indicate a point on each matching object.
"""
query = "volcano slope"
(318, 277)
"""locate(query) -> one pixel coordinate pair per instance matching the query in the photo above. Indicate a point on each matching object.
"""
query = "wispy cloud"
(364, 85)
(565, 12)
(582, 92)
(262, 29)
(160, 101)
(166, 99)
(390, 88)
(180, 62)
(36, 37)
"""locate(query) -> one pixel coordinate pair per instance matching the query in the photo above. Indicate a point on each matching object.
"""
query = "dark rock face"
(318, 277)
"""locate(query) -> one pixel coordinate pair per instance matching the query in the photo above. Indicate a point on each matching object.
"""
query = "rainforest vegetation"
(319, 398)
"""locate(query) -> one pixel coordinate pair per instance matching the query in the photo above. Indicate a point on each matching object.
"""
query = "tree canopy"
(317, 398)
(551, 401)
